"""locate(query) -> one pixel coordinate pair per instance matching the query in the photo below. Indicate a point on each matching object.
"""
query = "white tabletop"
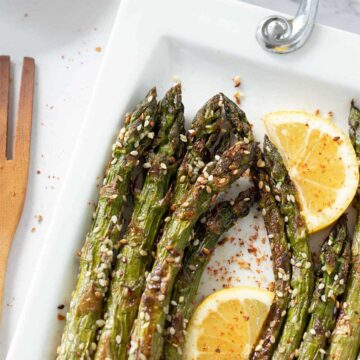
(67, 39)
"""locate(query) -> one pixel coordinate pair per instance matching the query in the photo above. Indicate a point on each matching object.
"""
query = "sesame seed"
(258, 348)
(163, 166)
(283, 313)
(150, 98)
(247, 152)
(323, 298)
(286, 219)
(277, 198)
(173, 302)
(261, 184)
(270, 236)
(217, 157)
(267, 188)
(183, 138)
(177, 259)
(114, 219)
(182, 178)
(263, 212)
(181, 299)
(260, 163)
(134, 153)
(100, 323)
(172, 331)
(139, 127)
(321, 286)
(150, 135)
(272, 339)
(312, 332)
(93, 346)
(159, 328)
(322, 351)
(161, 297)
(147, 317)
(142, 252)
(118, 339)
(147, 165)
(113, 161)
(308, 265)
(342, 282)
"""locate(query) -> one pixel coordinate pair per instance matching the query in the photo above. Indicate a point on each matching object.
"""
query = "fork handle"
(6, 235)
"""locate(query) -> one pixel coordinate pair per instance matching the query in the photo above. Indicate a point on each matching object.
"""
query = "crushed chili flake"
(60, 317)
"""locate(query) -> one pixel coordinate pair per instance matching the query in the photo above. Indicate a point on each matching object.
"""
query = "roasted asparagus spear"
(134, 257)
(197, 256)
(217, 176)
(275, 227)
(209, 134)
(86, 306)
(302, 277)
(345, 341)
(330, 283)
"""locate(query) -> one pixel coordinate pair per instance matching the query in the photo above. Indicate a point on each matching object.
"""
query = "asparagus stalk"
(197, 256)
(275, 227)
(330, 283)
(209, 134)
(86, 305)
(134, 256)
(302, 278)
(208, 129)
(217, 176)
(345, 341)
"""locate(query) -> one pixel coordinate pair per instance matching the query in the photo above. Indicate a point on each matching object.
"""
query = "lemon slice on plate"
(226, 324)
(321, 162)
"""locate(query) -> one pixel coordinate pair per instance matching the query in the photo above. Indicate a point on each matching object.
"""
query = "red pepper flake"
(60, 317)
(98, 49)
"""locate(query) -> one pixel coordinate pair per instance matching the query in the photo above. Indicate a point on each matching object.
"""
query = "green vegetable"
(345, 341)
(280, 254)
(217, 176)
(209, 135)
(197, 256)
(134, 257)
(86, 306)
(302, 278)
(330, 284)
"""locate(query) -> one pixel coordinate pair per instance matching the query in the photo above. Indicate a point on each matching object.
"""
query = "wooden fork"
(13, 171)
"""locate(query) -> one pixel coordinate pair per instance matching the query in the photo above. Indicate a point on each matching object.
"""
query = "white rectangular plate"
(204, 43)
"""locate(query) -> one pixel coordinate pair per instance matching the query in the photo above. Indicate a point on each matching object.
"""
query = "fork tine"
(4, 102)
(24, 117)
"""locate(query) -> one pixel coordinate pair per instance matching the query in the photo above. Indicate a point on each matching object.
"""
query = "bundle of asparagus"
(345, 341)
(207, 233)
(134, 257)
(284, 327)
(330, 284)
(275, 227)
(217, 176)
(86, 306)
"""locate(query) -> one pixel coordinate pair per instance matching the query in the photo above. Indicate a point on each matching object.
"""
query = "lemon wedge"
(226, 324)
(321, 162)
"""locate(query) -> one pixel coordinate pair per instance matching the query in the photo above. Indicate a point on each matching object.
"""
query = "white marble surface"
(342, 14)
(67, 39)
